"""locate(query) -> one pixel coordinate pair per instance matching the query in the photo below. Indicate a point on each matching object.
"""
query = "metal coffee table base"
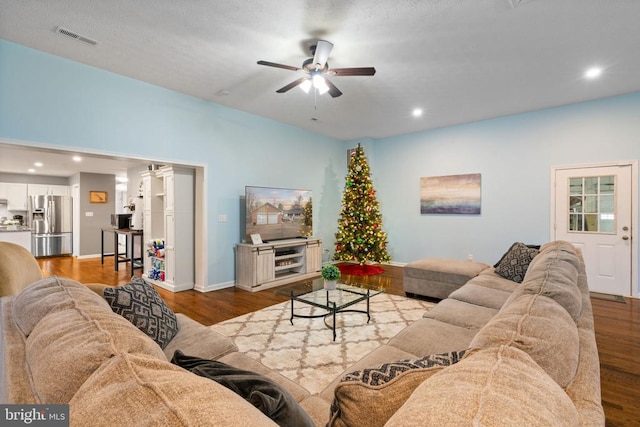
(332, 310)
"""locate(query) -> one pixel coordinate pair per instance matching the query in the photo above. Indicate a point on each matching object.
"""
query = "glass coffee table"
(331, 301)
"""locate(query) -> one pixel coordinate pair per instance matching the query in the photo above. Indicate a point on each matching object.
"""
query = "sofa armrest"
(18, 269)
(195, 339)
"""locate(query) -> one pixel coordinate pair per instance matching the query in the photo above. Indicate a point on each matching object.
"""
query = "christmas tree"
(360, 236)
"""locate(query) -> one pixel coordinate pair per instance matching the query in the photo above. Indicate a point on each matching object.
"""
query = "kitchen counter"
(18, 234)
(14, 228)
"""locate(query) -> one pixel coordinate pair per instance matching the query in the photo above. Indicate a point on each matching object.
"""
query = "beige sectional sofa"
(527, 357)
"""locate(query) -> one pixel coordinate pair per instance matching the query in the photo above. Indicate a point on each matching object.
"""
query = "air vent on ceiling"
(79, 37)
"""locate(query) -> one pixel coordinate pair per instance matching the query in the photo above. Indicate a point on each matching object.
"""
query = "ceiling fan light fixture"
(324, 89)
(306, 85)
(318, 81)
(320, 84)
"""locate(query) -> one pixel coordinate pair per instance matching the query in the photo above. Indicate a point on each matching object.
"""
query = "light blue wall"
(514, 154)
(48, 100)
(52, 101)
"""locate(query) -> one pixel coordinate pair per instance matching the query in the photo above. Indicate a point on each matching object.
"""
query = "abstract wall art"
(450, 194)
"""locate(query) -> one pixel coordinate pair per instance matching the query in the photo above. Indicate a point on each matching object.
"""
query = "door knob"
(625, 237)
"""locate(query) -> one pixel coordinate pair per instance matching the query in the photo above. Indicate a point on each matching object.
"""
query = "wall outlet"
(470, 257)
(223, 218)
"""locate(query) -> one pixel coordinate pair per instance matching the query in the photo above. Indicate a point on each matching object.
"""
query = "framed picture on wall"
(97, 197)
(450, 194)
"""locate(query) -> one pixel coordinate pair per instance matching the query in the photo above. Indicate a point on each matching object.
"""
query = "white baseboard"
(88, 256)
(214, 287)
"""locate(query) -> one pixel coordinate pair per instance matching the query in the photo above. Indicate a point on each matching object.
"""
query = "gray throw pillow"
(140, 303)
(515, 262)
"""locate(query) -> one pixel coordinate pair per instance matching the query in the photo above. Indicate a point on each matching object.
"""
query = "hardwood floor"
(617, 324)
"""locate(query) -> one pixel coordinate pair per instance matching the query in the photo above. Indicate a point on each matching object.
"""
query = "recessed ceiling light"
(77, 158)
(31, 170)
(38, 164)
(593, 72)
(417, 112)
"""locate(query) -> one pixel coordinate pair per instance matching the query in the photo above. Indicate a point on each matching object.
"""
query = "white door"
(593, 210)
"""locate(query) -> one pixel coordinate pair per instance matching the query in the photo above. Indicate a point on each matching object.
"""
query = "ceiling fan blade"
(291, 85)
(321, 54)
(357, 71)
(273, 64)
(333, 90)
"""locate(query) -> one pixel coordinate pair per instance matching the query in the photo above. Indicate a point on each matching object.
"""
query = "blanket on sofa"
(260, 391)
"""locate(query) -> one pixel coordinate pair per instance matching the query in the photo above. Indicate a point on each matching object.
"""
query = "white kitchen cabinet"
(22, 238)
(48, 190)
(3, 190)
(16, 197)
(59, 190)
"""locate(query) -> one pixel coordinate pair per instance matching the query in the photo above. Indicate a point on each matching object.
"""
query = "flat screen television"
(278, 213)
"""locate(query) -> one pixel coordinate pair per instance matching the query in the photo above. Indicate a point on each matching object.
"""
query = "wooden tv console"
(276, 263)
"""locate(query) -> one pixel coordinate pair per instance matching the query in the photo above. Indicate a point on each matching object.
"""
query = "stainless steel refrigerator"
(51, 221)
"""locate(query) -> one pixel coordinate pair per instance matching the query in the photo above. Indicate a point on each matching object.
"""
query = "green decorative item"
(330, 273)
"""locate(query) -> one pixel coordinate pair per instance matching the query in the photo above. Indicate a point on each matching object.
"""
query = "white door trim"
(634, 210)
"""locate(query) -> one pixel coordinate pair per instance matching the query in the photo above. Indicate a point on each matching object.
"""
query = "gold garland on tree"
(360, 236)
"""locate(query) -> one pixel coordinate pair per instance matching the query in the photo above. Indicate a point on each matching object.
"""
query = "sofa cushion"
(490, 279)
(461, 313)
(500, 386)
(380, 355)
(47, 296)
(199, 340)
(370, 396)
(554, 273)
(140, 303)
(515, 261)
(67, 346)
(430, 336)
(481, 295)
(540, 327)
(135, 390)
(256, 389)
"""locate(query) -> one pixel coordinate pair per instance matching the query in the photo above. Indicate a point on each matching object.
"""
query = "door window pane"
(606, 185)
(591, 222)
(592, 204)
(575, 186)
(606, 204)
(575, 204)
(606, 223)
(591, 185)
(575, 222)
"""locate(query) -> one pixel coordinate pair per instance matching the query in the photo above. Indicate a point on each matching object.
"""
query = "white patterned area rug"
(305, 351)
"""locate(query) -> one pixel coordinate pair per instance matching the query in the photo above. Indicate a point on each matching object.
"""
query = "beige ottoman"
(438, 277)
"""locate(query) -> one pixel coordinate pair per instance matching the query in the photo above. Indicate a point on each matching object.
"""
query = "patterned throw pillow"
(515, 262)
(140, 303)
(371, 396)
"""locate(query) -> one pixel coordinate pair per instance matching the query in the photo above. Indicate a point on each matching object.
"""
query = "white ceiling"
(19, 159)
(460, 61)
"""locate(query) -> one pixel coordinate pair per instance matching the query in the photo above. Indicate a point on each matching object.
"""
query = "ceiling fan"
(317, 70)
